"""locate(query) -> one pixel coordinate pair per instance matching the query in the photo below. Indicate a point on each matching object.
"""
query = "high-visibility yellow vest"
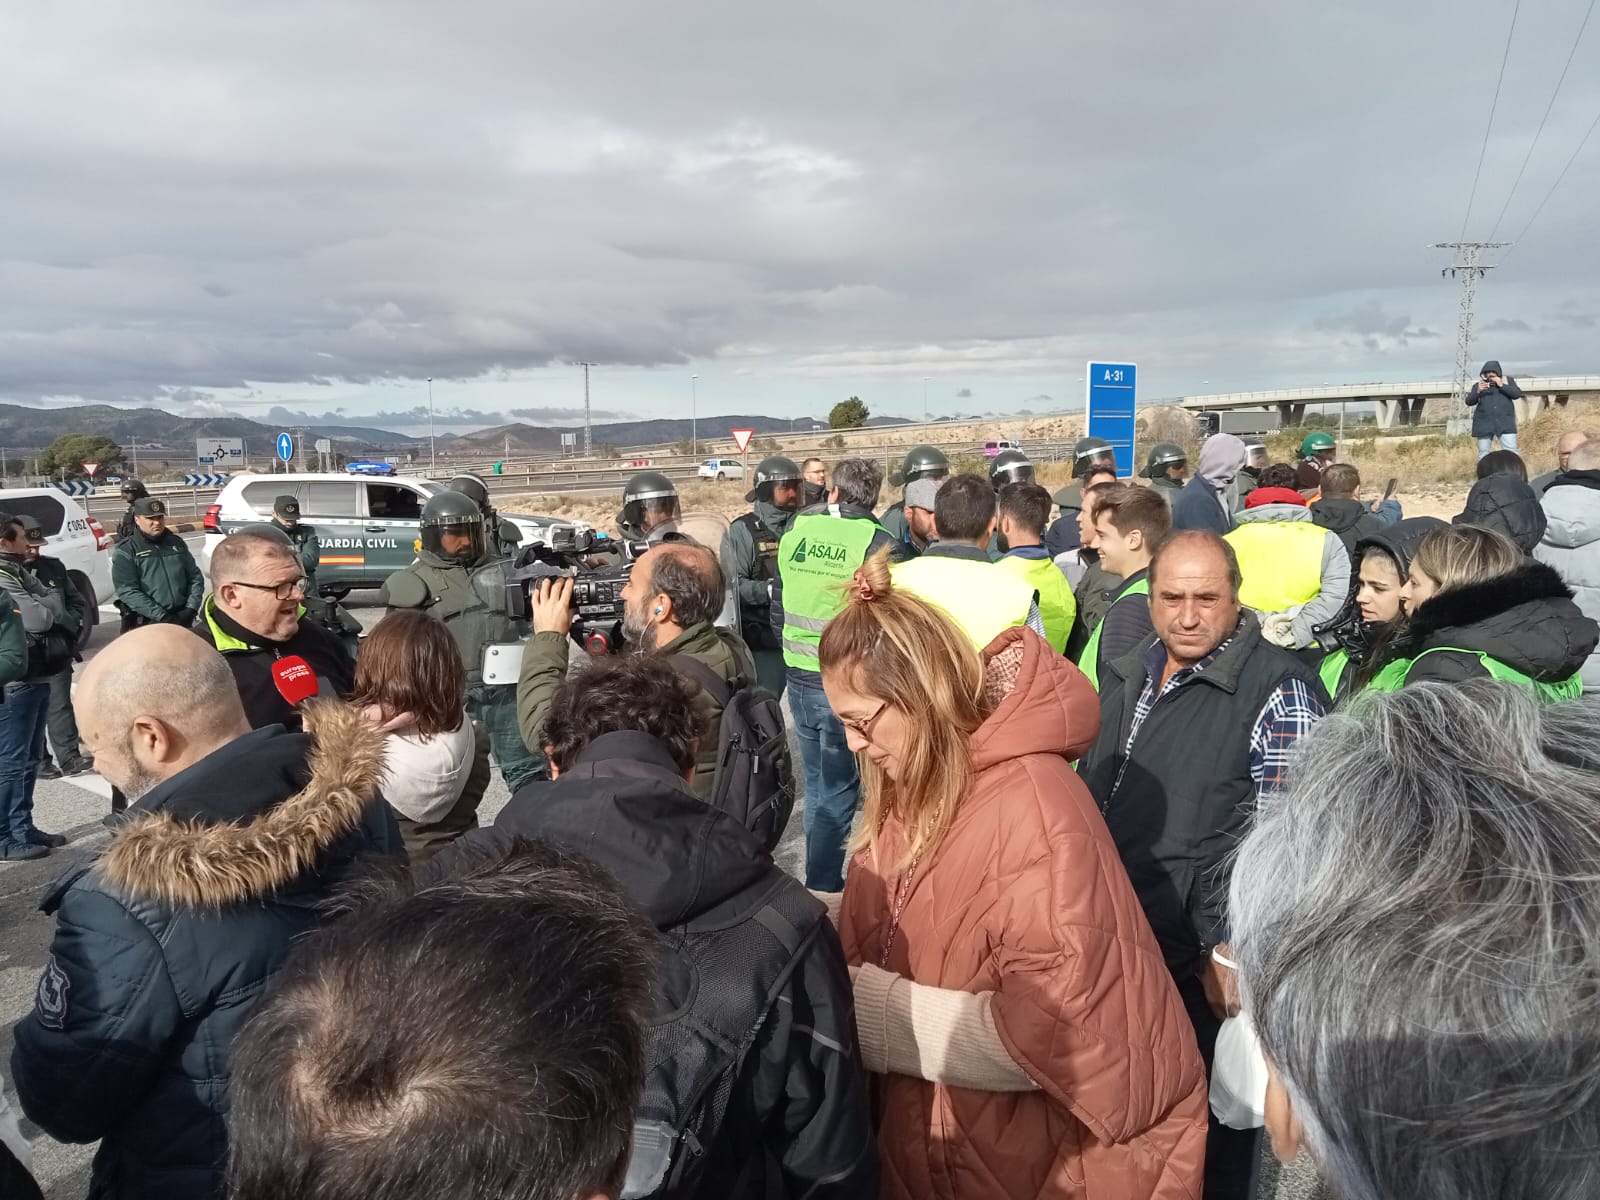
(1089, 660)
(1057, 605)
(978, 596)
(817, 558)
(1280, 561)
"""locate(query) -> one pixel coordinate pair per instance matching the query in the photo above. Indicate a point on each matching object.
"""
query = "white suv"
(721, 468)
(74, 537)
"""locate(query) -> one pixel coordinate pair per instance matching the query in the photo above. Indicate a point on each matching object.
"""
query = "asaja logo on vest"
(815, 549)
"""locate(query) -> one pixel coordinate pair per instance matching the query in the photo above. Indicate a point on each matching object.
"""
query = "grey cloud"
(559, 415)
(963, 393)
(1508, 325)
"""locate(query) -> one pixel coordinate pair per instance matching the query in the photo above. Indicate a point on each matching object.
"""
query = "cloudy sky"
(315, 206)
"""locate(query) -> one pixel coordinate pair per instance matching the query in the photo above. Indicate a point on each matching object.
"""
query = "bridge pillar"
(1291, 414)
(1391, 413)
(1561, 401)
(1412, 409)
(1530, 407)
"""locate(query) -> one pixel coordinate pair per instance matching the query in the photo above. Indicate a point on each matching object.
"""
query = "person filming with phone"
(1493, 401)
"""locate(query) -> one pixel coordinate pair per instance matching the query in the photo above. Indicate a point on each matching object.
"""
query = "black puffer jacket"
(1506, 505)
(1350, 519)
(164, 944)
(1494, 411)
(1527, 620)
(251, 658)
(801, 1101)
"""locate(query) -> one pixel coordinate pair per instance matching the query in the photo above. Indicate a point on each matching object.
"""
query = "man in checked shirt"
(1194, 723)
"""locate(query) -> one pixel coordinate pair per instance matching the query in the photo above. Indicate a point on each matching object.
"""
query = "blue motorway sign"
(285, 447)
(1110, 400)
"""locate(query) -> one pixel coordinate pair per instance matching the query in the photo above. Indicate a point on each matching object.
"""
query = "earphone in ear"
(658, 610)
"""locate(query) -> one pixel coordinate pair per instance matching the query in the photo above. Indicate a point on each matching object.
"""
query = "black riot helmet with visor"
(773, 472)
(454, 516)
(649, 506)
(1010, 466)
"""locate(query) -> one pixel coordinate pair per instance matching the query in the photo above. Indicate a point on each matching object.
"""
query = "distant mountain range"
(27, 429)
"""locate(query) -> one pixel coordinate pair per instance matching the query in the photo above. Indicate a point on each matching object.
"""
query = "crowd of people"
(1086, 776)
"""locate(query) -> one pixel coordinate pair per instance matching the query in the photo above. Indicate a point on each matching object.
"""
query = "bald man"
(1568, 442)
(671, 599)
(164, 943)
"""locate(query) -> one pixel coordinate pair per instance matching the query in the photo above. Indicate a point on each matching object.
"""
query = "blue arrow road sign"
(285, 447)
(1111, 401)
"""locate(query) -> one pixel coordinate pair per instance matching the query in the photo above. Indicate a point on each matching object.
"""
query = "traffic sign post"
(1111, 401)
(285, 448)
(91, 468)
(741, 438)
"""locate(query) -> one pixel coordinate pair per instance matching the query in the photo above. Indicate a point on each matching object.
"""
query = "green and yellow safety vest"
(1057, 605)
(985, 602)
(1089, 660)
(1280, 563)
(1332, 671)
(817, 558)
(1393, 677)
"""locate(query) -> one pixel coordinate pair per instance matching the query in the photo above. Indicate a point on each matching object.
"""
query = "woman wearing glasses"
(1009, 993)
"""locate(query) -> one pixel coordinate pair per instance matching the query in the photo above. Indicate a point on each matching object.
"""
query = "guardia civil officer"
(750, 556)
(506, 535)
(921, 462)
(460, 579)
(650, 507)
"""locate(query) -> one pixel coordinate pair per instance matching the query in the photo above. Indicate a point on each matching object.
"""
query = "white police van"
(74, 537)
(368, 528)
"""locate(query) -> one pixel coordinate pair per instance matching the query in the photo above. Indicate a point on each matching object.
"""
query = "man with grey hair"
(817, 558)
(1419, 946)
(163, 944)
(1195, 722)
(255, 616)
(1571, 541)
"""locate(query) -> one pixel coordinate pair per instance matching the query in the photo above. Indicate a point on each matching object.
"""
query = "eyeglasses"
(282, 591)
(864, 726)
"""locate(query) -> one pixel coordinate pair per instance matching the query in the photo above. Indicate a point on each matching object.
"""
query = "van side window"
(388, 502)
(319, 498)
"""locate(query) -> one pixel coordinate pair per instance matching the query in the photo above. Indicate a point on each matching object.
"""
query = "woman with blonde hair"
(1010, 996)
(1480, 609)
(411, 685)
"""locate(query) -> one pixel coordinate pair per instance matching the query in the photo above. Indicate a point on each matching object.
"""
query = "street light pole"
(433, 460)
(924, 399)
(694, 416)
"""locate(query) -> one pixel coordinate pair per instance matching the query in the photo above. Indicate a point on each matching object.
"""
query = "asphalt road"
(74, 807)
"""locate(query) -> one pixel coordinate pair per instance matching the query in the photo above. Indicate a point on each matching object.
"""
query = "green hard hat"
(1010, 466)
(1163, 455)
(1315, 442)
(921, 462)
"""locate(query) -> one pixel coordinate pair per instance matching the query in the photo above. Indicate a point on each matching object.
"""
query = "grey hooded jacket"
(1571, 545)
(1325, 605)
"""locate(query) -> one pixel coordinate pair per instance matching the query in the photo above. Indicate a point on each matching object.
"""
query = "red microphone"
(294, 679)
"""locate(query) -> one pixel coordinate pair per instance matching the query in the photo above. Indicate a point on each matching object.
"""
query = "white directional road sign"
(220, 452)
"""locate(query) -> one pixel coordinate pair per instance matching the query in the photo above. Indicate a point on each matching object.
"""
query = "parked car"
(990, 449)
(721, 468)
(368, 529)
(74, 537)
(370, 468)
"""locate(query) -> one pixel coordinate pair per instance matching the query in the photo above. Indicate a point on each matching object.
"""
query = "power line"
(1595, 124)
(1588, 12)
(1493, 104)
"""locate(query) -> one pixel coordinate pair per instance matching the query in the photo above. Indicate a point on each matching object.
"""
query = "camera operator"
(672, 596)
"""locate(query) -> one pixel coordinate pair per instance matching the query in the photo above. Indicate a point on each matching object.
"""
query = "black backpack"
(718, 983)
(755, 773)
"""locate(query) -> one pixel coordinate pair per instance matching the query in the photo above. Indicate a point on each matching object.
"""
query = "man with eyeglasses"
(255, 616)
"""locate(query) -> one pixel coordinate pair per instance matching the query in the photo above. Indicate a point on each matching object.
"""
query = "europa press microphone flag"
(294, 679)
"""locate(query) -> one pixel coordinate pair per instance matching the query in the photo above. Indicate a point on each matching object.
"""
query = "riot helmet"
(1091, 452)
(773, 472)
(1009, 466)
(1163, 455)
(452, 516)
(649, 502)
(922, 462)
(133, 489)
(474, 488)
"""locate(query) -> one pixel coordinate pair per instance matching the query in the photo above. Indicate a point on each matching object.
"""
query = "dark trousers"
(1231, 1154)
(22, 719)
(493, 708)
(61, 722)
(833, 785)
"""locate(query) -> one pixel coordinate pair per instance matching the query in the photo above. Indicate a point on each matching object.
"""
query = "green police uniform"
(750, 555)
(156, 578)
(471, 603)
(307, 548)
(61, 722)
(13, 644)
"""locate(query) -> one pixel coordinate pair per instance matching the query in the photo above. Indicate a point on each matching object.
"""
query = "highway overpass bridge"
(1396, 403)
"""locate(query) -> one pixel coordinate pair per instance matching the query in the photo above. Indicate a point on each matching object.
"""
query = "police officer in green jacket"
(506, 536)
(750, 556)
(303, 537)
(157, 579)
(921, 462)
(460, 579)
(61, 723)
(1167, 469)
(13, 644)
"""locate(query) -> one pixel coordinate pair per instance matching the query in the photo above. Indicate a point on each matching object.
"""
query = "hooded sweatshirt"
(1507, 505)
(1494, 412)
(1572, 546)
(1200, 505)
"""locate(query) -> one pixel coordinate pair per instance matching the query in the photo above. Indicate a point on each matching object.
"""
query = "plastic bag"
(1239, 1075)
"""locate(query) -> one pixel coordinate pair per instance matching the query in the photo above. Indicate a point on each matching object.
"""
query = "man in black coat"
(1493, 401)
(746, 951)
(255, 616)
(165, 942)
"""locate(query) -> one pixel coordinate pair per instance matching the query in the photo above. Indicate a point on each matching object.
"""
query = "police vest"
(1393, 677)
(1057, 605)
(1089, 661)
(1280, 561)
(754, 621)
(984, 601)
(817, 558)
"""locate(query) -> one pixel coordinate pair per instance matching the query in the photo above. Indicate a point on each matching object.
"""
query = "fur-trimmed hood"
(1526, 619)
(182, 852)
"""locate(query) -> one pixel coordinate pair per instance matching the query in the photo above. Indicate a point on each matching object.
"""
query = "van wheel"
(91, 607)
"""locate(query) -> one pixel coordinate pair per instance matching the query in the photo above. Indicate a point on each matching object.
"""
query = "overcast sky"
(314, 206)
